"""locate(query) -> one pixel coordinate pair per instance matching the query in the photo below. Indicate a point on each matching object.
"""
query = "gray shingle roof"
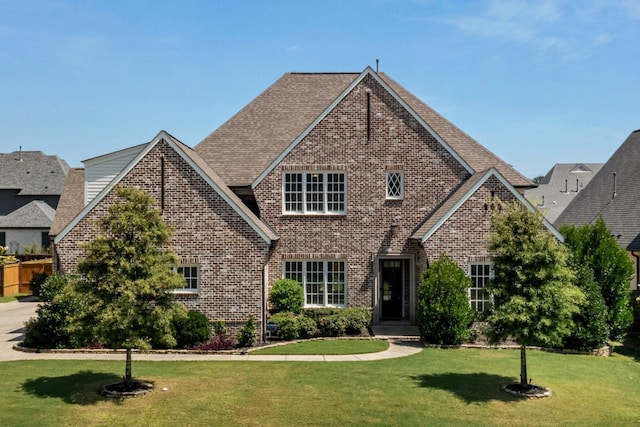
(35, 214)
(32, 172)
(243, 147)
(617, 200)
(560, 186)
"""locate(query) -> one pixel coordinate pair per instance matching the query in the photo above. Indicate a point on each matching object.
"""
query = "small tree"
(594, 246)
(126, 278)
(286, 295)
(534, 298)
(443, 308)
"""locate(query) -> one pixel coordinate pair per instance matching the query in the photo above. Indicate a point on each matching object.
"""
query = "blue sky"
(536, 82)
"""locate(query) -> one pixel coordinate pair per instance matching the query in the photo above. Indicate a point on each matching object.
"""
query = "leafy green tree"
(126, 278)
(443, 308)
(534, 298)
(594, 246)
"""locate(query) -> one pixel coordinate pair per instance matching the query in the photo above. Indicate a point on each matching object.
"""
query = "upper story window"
(479, 296)
(395, 184)
(314, 192)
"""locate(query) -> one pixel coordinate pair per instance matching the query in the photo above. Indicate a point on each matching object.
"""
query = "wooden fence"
(16, 277)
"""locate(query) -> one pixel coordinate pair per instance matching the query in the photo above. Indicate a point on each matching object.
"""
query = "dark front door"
(391, 289)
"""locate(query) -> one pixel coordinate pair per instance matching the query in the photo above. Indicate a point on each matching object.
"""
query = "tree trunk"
(127, 369)
(523, 366)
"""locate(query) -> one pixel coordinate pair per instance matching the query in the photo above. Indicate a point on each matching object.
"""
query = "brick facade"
(208, 232)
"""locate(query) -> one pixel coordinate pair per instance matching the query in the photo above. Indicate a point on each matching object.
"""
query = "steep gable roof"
(253, 141)
(613, 193)
(201, 167)
(32, 172)
(461, 195)
(35, 214)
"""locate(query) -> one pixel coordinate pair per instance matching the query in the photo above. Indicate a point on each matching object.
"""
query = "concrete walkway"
(14, 314)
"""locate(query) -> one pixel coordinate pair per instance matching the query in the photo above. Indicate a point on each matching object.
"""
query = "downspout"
(265, 279)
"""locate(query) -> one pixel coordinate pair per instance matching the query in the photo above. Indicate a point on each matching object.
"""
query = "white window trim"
(485, 302)
(325, 211)
(188, 290)
(325, 274)
(392, 197)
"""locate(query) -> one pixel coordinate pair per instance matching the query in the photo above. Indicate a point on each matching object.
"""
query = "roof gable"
(200, 166)
(35, 214)
(250, 144)
(367, 72)
(614, 194)
(461, 195)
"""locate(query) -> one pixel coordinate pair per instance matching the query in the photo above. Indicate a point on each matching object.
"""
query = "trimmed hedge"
(322, 322)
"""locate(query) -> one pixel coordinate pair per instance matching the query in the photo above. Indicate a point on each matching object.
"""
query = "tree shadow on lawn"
(472, 388)
(82, 388)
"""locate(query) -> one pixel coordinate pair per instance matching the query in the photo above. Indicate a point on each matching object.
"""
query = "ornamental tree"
(126, 278)
(534, 298)
(594, 246)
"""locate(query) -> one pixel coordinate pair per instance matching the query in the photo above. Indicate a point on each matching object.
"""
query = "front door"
(391, 289)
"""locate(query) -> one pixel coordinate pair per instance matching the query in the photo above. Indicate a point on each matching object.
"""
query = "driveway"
(14, 314)
(12, 318)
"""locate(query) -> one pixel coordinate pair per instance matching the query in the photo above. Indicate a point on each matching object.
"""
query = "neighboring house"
(345, 182)
(30, 186)
(614, 194)
(559, 186)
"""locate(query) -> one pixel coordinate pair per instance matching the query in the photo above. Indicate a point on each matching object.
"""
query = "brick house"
(344, 181)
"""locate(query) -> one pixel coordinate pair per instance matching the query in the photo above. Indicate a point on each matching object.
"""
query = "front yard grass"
(435, 387)
(15, 297)
(327, 347)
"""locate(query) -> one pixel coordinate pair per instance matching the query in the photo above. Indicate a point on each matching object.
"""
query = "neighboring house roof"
(613, 193)
(200, 166)
(32, 172)
(560, 186)
(35, 214)
(253, 141)
(71, 200)
(461, 195)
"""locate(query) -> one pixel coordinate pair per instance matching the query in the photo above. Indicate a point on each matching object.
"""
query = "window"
(394, 185)
(3, 238)
(324, 282)
(314, 193)
(191, 277)
(479, 297)
(44, 239)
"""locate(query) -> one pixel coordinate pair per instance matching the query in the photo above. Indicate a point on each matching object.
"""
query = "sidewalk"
(14, 314)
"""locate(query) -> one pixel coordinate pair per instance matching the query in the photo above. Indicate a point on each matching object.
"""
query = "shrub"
(52, 327)
(332, 325)
(287, 325)
(192, 329)
(220, 328)
(307, 326)
(357, 320)
(590, 329)
(443, 308)
(217, 343)
(247, 334)
(36, 283)
(286, 295)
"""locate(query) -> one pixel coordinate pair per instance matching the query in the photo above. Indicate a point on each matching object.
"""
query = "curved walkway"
(14, 314)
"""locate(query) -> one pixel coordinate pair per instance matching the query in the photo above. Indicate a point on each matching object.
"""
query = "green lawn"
(331, 346)
(12, 298)
(436, 387)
